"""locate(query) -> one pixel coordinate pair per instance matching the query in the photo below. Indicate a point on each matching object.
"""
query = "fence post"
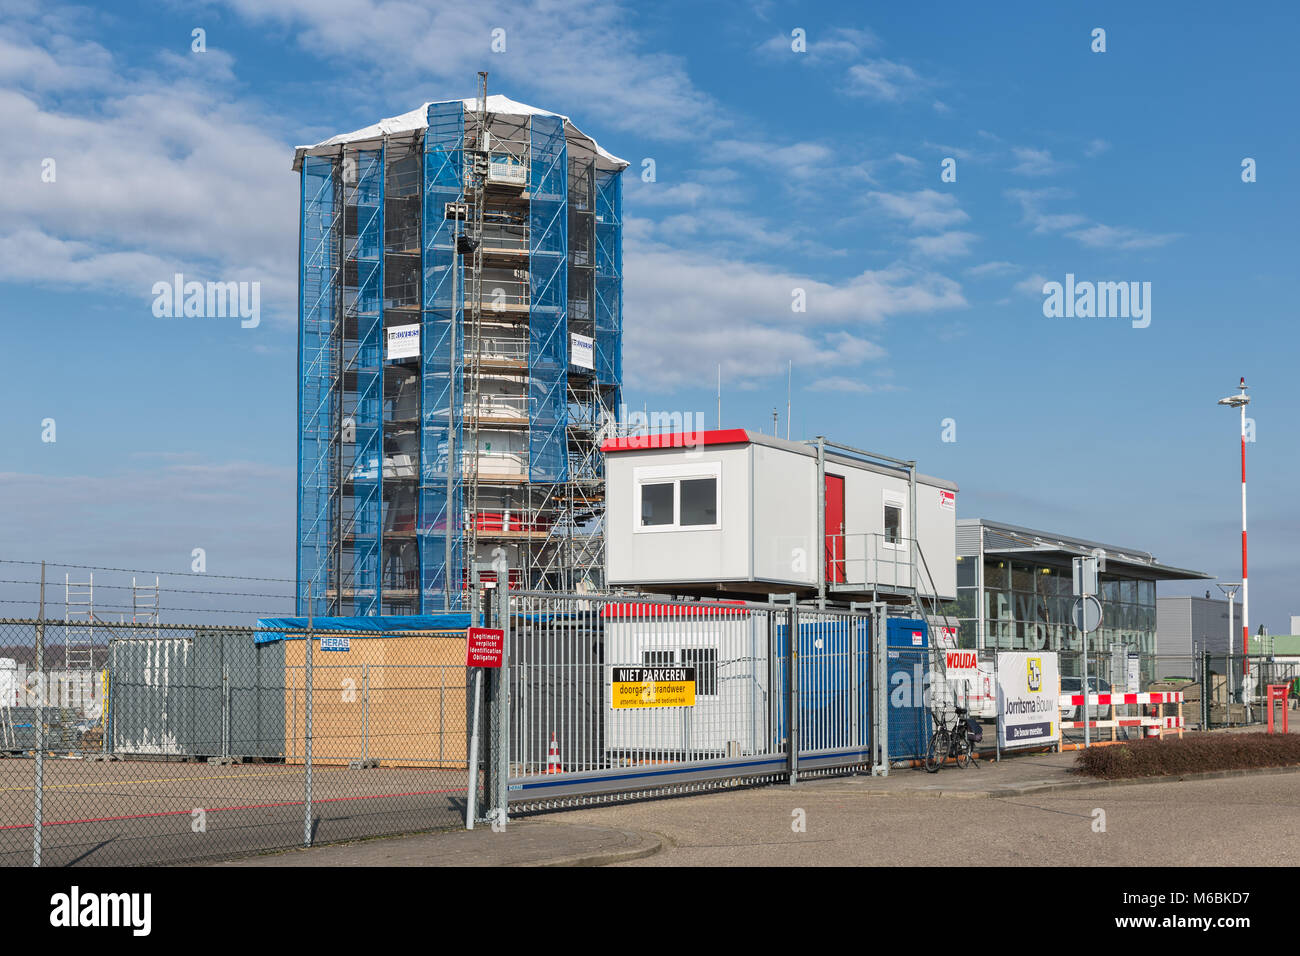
(880, 670)
(225, 711)
(1206, 683)
(38, 787)
(792, 688)
(502, 736)
(471, 783)
(997, 713)
(307, 641)
(365, 713)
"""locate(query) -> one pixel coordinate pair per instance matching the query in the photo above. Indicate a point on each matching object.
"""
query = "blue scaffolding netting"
(548, 340)
(442, 373)
(363, 382)
(609, 281)
(317, 288)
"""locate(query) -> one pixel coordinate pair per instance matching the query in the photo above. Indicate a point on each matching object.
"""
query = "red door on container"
(835, 529)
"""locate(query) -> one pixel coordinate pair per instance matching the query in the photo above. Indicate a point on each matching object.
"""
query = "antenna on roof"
(789, 378)
(719, 396)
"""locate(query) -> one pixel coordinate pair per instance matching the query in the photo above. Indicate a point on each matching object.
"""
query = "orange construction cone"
(553, 757)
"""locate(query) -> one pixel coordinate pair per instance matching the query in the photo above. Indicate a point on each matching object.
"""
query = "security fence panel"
(20, 717)
(624, 696)
(834, 683)
(189, 743)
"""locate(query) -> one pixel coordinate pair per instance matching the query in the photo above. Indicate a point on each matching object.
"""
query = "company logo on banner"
(582, 351)
(403, 341)
(960, 665)
(948, 500)
(1028, 710)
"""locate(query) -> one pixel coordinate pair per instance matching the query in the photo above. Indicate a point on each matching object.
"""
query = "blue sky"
(775, 170)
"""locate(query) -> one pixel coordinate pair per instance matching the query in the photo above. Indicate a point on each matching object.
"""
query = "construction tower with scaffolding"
(460, 353)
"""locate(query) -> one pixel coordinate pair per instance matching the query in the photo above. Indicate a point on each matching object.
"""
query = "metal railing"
(870, 560)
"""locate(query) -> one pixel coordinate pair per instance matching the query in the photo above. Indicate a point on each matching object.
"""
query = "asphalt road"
(1236, 821)
(144, 812)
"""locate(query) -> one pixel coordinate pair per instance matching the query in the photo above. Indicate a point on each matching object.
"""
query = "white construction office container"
(728, 649)
(735, 511)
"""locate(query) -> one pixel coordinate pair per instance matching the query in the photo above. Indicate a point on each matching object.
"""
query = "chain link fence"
(190, 743)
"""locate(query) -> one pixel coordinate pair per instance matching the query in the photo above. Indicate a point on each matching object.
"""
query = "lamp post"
(1230, 589)
(1241, 400)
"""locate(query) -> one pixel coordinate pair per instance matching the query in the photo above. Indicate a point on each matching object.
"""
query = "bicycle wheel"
(965, 752)
(937, 752)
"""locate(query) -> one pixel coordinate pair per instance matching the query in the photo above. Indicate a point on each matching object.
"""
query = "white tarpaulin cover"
(419, 119)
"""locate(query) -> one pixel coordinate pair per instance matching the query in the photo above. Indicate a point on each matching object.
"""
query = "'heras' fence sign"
(1028, 709)
(636, 687)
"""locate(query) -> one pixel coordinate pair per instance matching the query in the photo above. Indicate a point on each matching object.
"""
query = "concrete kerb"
(996, 791)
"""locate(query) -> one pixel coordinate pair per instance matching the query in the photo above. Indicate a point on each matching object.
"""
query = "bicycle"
(945, 742)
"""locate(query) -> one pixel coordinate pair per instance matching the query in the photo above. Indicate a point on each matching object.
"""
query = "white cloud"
(566, 51)
(840, 383)
(1092, 234)
(689, 310)
(884, 80)
(1034, 162)
(923, 209)
(1096, 147)
(1031, 285)
(946, 245)
(996, 268)
(1100, 236)
(154, 175)
(836, 43)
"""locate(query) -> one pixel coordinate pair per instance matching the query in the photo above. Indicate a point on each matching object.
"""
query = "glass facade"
(1026, 605)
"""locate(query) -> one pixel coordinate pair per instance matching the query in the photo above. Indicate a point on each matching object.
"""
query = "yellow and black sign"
(635, 687)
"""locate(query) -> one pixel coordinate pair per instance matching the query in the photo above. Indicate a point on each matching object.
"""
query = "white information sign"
(403, 341)
(582, 351)
(1028, 709)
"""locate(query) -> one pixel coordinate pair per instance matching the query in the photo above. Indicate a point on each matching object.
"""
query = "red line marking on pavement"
(251, 806)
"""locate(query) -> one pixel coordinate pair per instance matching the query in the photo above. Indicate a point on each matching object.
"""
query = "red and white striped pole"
(1245, 585)
(1241, 400)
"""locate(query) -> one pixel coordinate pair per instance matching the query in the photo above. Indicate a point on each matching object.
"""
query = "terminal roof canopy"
(419, 119)
(1010, 539)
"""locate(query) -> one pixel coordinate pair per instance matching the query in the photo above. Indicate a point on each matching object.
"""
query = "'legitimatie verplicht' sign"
(637, 687)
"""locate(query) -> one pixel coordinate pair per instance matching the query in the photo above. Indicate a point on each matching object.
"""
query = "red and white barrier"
(1105, 700)
(1168, 723)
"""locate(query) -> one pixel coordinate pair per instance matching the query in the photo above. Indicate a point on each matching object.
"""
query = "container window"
(657, 658)
(699, 501)
(705, 662)
(657, 504)
(893, 524)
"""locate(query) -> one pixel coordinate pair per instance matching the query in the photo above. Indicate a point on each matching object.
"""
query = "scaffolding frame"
(508, 430)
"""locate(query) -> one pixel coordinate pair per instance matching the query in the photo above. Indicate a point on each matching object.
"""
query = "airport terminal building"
(1015, 590)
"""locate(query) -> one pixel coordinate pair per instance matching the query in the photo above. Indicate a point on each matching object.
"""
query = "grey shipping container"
(212, 693)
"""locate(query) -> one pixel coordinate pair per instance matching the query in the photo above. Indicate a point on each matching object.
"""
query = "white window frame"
(676, 474)
(897, 500)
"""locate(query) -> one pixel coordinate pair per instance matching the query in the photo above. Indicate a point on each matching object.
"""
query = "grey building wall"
(1187, 625)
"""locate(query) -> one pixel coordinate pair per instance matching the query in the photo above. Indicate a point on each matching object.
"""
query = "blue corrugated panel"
(908, 665)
